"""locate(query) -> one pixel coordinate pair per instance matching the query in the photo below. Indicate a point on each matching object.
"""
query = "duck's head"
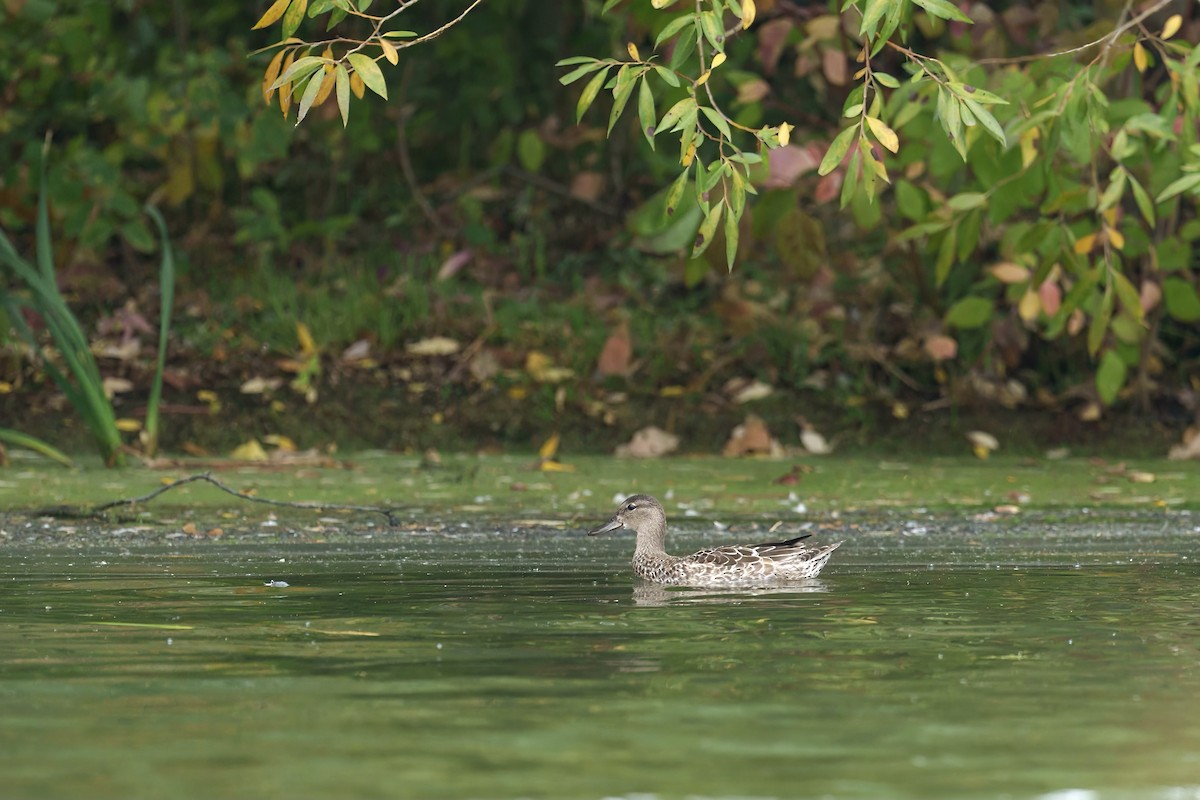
(638, 513)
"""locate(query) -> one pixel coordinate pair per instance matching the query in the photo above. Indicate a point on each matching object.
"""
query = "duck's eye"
(631, 507)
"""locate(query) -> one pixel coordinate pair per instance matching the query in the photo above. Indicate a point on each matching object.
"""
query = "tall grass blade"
(18, 439)
(166, 283)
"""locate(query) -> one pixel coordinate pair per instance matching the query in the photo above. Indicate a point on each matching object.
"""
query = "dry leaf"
(454, 264)
(940, 347)
(1189, 449)
(617, 353)
(113, 386)
(543, 370)
(752, 437)
(649, 442)
(814, 442)
(434, 346)
(742, 391)
(249, 451)
(260, 385)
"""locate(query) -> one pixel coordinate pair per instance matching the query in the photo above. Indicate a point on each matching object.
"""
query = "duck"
(771, 562)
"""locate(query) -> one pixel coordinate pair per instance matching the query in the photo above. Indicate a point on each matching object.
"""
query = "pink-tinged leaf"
(834, 66)
(789, 163)
(1150, 295)
(1051, 296)
(941, 348)
(617, 353)
(772, 36)
(1008, 272)
(454, 264)
(829, 187)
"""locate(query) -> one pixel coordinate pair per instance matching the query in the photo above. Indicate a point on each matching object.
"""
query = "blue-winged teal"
(717, 566)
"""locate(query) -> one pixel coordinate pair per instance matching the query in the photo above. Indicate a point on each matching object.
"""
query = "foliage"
(81, 381)
(32, 443)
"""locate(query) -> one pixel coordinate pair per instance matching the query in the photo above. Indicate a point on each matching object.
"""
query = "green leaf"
(886, 79)
(310, 94)
(646, 110)
(1181, 300)
(300, 69)
(970, 312)
(837, 150)
(579, 72)
(1179, 186)
(368, 70)
(1110, 376)
(873, 11)
(399, 34)
(988, 121)
(714, 31)
(945, 256)
(626, 81)
(1100, 320)
(668, 77)
(1114, 190)
(293, 17)
(968, 92)
(965, 201)
(342, 90)
(675, 193)
(573, 60)
(589, 93)
(673, 27)
(943, 9)
(531, 150)
(716, 119)
(850, 180)
(1131, 301)
(1142, 198)
(708, 229)
(675, 113)
(731, 238)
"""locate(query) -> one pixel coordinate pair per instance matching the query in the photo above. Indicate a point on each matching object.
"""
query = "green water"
(489, 664)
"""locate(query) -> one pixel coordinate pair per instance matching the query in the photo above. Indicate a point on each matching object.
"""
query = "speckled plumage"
(716, 566)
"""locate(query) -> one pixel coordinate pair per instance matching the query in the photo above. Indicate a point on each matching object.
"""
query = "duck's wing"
(735, 554)
(789, 550)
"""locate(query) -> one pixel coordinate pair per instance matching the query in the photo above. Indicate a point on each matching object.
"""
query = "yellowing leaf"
(1172, 26)
(308, 347)
(1139, 57)
(273, 14)
(389, 51)
(357, 86)
(633, 52)
(886, 136)
(1008, 272)
(549, 447)
(717, 61)
(748, 13)
(127, 425)
(249, 451)
(271, 75)
(282, 442)
(285, 90)
(1084, 244)
(1030, 306)
(1116, 238)
(703, 79)
(785, 133)
(1029, 151)
(549, 465)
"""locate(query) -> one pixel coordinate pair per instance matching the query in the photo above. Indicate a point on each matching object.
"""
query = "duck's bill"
(611, 525)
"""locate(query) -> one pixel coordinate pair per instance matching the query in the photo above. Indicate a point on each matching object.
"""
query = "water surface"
(491, 664)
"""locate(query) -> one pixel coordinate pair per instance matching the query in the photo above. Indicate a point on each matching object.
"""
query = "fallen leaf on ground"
(752, 437)
(741, 390)
(982, 443)
(618, 350)
(433, 346)
(649, 442)
(249, 451)
(543, 370)
(814, 442)
(1189, 449)
(260, 385)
